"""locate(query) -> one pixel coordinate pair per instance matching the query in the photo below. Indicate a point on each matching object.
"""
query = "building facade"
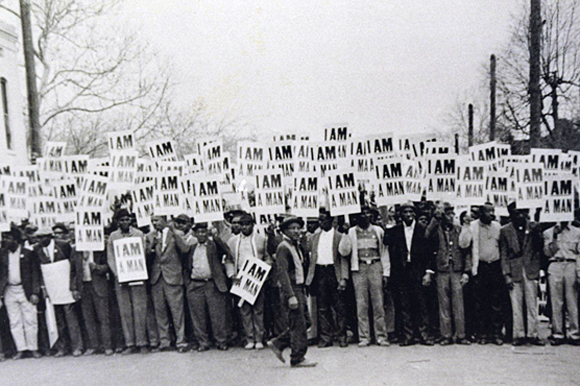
(13, 128)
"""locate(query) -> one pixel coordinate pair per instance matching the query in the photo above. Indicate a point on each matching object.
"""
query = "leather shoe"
(446, 342)
(249, 346)
(18, 355)
(77, 353)
(363, 343)
(202, 348)
(557, 341)
(143, 350)
(497, 341)
(89, 352)
(59, 354)
(259, 346)
(36, 355)
(343, 343)
(182, 349)
(464, 342)
(304, 363)
(109, 352)
(128, 350)
(537, 342)
(276, 351)
(406, 343)
(222, 347)
(428, 342)
(519, 342)
(323, 344)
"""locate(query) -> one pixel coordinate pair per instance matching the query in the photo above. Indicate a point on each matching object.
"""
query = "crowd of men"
(423, 276)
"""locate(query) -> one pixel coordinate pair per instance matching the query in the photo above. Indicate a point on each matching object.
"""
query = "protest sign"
(93, 193)
(162, 150)
(89, 231)
(471, 180)
(251, 157)
(16, 196)
(281, 156)
(390, 181)
(167, 193)
(413, 146)
(194, 163)
(76, 166)
(550, 158)
(269, 192)
(65, 192)
(343, 194)
(56, 277)
(305, 195)
(213, 157)
(46, 211)
(328, 155)
(441, 177)
(120, 141)
(559, 198)
(382, 146)
(203, 198)
(143, 198)
(252, 276)
(362, 159)
(123, 170)
(4, 218)
(51, 166)
(528, 179)
(413, 180)
(497, 191)
(302, 157)
(130, 259)
(144, 171)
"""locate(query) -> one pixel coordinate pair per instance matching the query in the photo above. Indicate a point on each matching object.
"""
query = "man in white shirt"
(327, 276)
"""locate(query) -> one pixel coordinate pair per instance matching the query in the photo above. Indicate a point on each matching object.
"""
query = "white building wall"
(10, 59)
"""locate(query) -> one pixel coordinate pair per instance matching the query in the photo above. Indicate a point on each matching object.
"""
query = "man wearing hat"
(248, 244)
(206, 285)
(60, 231)
(451, 266)
(20, 291)
(292, 263)
(561, 243)
(131, 297)
(371, 268)
(49, 251)
(166, 280)
(406, 242)
(521, 248)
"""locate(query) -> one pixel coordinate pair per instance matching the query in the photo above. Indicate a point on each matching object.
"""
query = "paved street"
(417, 365)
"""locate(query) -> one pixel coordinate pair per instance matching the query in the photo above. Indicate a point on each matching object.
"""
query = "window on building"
(4, 86)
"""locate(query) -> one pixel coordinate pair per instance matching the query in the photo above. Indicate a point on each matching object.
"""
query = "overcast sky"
(294, 65)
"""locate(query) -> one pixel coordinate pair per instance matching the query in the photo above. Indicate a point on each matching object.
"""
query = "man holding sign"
(249, 244)
(131, 295)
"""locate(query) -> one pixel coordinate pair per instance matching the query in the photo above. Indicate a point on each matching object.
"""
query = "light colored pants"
(253, 319)
(526, 289)
(562, 281)
(368, 281)
(22, 316)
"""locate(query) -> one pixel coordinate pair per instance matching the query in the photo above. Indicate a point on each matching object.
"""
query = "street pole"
(492, 86)
(470, 127)
(33, 106)
(534, 87)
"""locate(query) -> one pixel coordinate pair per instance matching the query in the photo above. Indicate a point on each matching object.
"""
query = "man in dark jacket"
(20, 290)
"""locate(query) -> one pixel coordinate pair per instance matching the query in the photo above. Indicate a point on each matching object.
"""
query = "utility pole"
(33, 105)
(470, 125)
(492, 86)
(534, 87)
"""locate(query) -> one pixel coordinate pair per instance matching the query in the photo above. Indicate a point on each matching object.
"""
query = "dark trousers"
(489, 299)
(329, 302)
(96, 312)
(68, 322)
(204, 297)
(165, 294)
(295, 335)
(412, 308)
(275, 318)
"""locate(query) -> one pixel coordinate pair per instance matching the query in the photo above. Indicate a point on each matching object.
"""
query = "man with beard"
(406, 242)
